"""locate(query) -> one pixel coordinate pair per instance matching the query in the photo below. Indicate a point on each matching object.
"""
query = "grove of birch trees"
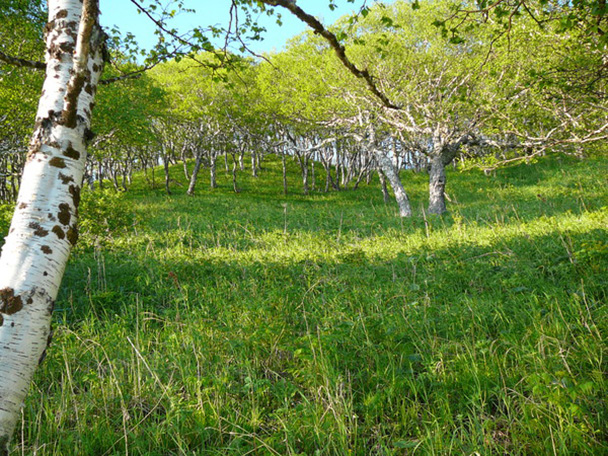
(407, 86)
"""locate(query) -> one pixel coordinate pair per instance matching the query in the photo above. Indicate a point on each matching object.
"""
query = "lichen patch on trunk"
(38, 230)
(72, 153)
(75, 192)
(9, 303)
(73, 235)
(64, 215)
(58, 232)
(57, 162)
(65, 179)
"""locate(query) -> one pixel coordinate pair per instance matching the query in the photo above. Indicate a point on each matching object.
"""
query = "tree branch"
(340, 50)
(16, 61)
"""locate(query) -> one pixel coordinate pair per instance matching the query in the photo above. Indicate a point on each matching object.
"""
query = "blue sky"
(123, 14)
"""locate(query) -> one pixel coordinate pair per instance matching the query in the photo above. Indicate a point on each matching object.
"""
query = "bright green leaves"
(21, 25)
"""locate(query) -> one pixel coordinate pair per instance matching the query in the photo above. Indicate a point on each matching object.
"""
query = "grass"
(264, 324)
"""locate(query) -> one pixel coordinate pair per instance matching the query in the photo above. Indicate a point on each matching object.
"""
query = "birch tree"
(43, 228)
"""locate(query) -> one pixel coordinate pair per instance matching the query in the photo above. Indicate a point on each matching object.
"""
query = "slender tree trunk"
(15, 168)
(125, 177)
(242, 158)
(258, 161)
(100, 174)
(304, 167)
(235, 186)
(437, 181)
(336, 183)
(388, 169)
(167, 176)
(43, 228)
(184, 158)
(284, 163)
(385, 194)
(213, 169)
(396, 160)
(328, 179)
(254, 164)
(194, 176)
(114, 175)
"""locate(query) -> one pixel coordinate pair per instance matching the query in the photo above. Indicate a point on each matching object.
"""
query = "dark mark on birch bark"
(39, 231)
(64, 214)
(57, 162)
(9, 303)
(58, 232)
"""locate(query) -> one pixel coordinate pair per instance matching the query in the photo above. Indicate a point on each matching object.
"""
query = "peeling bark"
(36, 251)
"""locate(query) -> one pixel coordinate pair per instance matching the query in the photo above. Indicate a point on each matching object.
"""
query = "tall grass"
(264, 324)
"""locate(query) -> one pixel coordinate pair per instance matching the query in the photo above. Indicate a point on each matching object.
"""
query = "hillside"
(264, 324)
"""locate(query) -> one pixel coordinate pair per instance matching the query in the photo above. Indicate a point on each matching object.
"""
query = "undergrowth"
(264, 324)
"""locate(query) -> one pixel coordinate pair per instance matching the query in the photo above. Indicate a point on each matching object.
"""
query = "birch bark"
(43, 228)
(387, 167)
(197, 166)
(437, 181)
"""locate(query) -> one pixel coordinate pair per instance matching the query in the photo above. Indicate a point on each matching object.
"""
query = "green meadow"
(260, 323)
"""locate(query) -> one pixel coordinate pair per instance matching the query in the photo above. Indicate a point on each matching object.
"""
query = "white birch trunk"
(386, 164)
(437, 181)
(43, 228)
(197, 166)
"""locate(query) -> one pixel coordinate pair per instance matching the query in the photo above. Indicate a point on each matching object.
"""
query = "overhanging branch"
(340, 50)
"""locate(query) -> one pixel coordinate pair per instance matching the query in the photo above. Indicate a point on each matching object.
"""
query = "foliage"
(105, 215)
(21, 25)
(6, 214)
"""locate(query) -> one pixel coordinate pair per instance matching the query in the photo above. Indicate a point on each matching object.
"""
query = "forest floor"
(263, 324)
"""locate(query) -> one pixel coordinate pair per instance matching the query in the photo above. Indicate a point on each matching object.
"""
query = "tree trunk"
(167, 176)
(284, 163)
(328, 179)
(437, 180)
(258, 161)
(385, 194)
(125, 178)
(194, 176)
(184, 158)
(43, 228)
(242, 158)
(305, 186)
(235, 186)
(388, 169)
(100, 174)
(254, 164)
(213, 169)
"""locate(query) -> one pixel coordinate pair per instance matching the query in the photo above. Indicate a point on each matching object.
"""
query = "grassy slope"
(325, 325)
